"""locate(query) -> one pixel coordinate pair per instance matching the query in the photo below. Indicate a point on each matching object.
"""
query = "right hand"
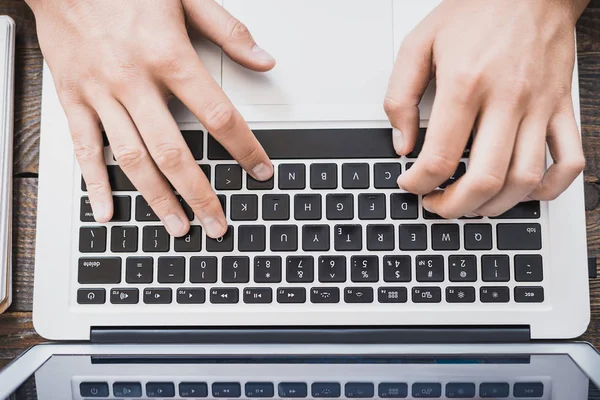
(116, 63)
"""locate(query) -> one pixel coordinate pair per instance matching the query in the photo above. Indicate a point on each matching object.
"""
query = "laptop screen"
(263, 377)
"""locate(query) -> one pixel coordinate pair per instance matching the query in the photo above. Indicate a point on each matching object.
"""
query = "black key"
(121, 209)
(371, 206)
(117, 179)
(462, 268)
(404, 206)
(389, 390)
(478, 237)
(155, 239)
(253, 184)
(445, 237)
(191, 296)
(348, 237)
(529, 294)
(292, 176)
(235, 270)
(315, 238)
(195, 142)
(124, 296)
(386, 174)
(203, 269)
(226, 389)
(222, 244)
(171, 270)
(392, 295)
(355, 295)
(158, 296)
(190, 243)
(267, 269)
(244, 207)
(189, 213)
(426, 295)
(494, 295)
(276, 207)
(92, 240)
(326, 390)
(430, 215)
(143, 212)
(430, 268)
(364, 268)
(418, 144)
(325, 295)
(460, 390)
(397, 269)
(99, 270)
(160, 389)
(413, 237)
(426, 390)
(359, 390)
(258, 295)
(206, 170)
(495, 268)
(300, 269)
(355, 176)
(94, 389)
(228, 177)
(494, 390)
(519, 236)
(124, 239)
(284, 237)
(307, 207)
(291, 295)
(461, 170)
(223, 200)
(91, 296)
(380, 237)
(525, 210)
(292, 390)
(193, 389)
(332, 269)
(139, 270)
(528, 268)
(460, 295)
(105, 141)
(86, 214)
(127, 389)
(260, 389)
(528, 389)
(323, 176)
(340, 207)
(224, 296)
(252, 238)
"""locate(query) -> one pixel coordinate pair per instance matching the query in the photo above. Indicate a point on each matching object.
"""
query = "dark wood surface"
(16, 330)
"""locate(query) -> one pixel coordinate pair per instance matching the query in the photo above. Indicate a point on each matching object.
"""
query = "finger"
(452, 118)
(526, 168)
(564, 143)
(410, 77)
(133, 158)
(488, 165)
(89, 150)
(173, 157)
(220, 27)
(220, 117)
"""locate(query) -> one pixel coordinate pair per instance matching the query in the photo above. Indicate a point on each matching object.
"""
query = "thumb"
(220, 27)
(411, 76)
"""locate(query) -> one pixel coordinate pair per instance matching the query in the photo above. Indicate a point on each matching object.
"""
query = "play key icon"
(191, 296)
(193, 389)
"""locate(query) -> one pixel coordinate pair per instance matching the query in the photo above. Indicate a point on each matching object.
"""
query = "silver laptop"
(518, 277)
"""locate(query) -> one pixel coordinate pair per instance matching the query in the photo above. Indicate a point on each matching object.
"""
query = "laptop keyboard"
(331, 227)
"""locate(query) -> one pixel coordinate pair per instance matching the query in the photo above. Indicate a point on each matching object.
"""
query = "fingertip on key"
(263, 172)
(176, 226)
(398, 140)
(214, 228)
(102, 212)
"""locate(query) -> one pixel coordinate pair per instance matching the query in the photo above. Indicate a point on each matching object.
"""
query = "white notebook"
(7, 62)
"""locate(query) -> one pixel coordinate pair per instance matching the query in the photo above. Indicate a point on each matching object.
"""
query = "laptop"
(519, 277)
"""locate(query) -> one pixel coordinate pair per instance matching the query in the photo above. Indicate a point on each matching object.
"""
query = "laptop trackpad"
(334, 58)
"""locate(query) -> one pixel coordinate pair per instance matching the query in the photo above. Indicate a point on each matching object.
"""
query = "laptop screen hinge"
(310, 335)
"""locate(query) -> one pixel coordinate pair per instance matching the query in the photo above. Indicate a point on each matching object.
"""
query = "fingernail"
(261, 54)
(398, 139)
(213, 227)
(262, 172)
(471, 216)
(101, 211)
(174, 225)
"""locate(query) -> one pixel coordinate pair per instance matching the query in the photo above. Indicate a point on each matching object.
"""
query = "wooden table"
(16, 330)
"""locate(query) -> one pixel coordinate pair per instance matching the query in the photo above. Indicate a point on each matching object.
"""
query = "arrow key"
(224, 295)
(226, 389)
(191, 295)
(193, 389)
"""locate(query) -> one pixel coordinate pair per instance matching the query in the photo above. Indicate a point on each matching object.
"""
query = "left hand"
(504, 69)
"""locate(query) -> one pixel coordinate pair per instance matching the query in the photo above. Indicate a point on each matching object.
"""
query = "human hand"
(504, 69)
(116, 63)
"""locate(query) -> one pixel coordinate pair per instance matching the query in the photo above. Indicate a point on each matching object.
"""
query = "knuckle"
(172, 62)
(161, 202)
(250, 155)
(168, 157)
(439, 166)
(487, 183)
(391, 106)
(94, 187)
(129, 157)
(220, 118)
(236, 29)
(206, 202)
(527, 178)
(466, 81)
(86, 152)
(575, 165)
